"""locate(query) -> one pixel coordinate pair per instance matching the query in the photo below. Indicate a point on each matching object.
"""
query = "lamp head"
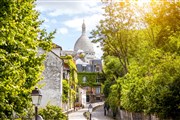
(36, 96)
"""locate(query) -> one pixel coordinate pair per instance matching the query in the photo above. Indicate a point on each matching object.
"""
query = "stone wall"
(125, 115)
(52, 83)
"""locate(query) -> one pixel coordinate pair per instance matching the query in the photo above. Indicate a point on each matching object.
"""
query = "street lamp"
(90, 109)
(36, 100)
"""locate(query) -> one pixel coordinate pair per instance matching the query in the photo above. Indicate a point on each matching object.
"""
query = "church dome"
(83, 43)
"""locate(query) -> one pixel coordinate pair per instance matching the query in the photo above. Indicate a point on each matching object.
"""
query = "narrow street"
(78, 115)
(98, 114)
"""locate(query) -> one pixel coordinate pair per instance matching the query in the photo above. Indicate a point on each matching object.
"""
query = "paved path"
(78, 115)
(98, 114)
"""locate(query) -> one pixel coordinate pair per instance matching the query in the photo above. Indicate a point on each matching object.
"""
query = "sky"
(66, 17)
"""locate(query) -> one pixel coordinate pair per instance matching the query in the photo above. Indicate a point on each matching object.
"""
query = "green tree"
(117, 33)
(150, 87)
(112, 70)
(150, 71)
(114, 97)
(163, 22)
(20, 64)
(150, 84)
(120, 39)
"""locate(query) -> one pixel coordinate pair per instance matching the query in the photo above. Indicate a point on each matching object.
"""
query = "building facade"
(51, 85)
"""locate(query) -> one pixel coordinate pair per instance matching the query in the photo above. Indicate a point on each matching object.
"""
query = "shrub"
(86, 115)
(52, 113)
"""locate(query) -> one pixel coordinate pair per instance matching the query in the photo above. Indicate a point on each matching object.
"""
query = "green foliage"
(81, 56)
(112, 71)
(117, 33)
(90, 79)
(165, 16)
(66, 88)
(112, 68)
(149, 86)
(69, 60)
(114, 96)
(52, 113)
(66, 57)
(107, 88)
(20, 64)
(73, 80)
(148, 78)
(87, 115)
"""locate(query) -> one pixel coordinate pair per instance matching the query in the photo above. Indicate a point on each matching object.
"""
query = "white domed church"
(84, 47)
(85, 55)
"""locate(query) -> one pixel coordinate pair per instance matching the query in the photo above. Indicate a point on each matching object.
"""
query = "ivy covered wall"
(93, 82)
(91, 79)
(70, 84)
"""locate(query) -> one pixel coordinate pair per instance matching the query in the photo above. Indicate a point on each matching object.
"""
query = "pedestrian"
(105, 107)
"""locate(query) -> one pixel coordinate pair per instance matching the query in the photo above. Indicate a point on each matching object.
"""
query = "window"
(94, 69)
(98, 90)
(89, 68)
(84, 68)
(64, 75)
(84, 79)
(97, 80)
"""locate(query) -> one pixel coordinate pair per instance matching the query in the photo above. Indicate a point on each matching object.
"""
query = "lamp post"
(90, 108)
(36, 100)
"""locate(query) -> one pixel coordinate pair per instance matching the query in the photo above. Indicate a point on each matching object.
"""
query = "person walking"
(105, 107)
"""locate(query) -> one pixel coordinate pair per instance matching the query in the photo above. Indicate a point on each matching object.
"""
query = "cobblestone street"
(98, 114)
